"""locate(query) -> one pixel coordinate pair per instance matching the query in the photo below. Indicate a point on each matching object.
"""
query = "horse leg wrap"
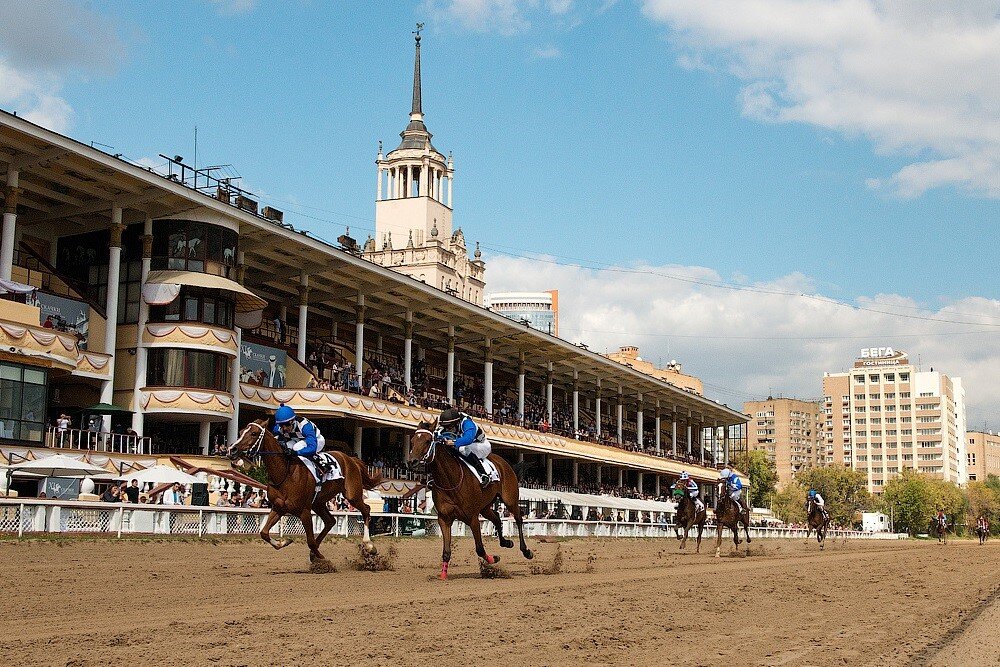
(444, 570)
(490, 560)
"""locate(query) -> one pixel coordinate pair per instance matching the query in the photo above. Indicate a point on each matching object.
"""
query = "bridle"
(431, 454)
(253, 451)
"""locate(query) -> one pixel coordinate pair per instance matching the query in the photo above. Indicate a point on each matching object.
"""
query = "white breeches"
(480, 449)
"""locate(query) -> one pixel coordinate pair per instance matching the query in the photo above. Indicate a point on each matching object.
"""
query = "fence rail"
(99, 441)
(29, 517)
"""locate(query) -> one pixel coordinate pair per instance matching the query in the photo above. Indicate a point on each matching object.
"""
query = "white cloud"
(547, 52)
(748, 344)
(917, 77)
(42, 43)
(233, 7)
(511, 17)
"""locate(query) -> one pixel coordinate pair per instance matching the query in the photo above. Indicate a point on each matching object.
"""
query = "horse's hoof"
(529, 554)
(507, 544)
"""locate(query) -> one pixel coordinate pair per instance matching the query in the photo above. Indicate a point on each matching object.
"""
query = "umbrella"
(160, 474)
(60, 466)
(106, 409)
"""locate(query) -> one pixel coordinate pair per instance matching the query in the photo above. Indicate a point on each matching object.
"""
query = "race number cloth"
(334, 468)
(488, 466)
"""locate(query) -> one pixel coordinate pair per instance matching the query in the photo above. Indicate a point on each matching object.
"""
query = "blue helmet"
(812, 493)
(284, 415)
(685, 476)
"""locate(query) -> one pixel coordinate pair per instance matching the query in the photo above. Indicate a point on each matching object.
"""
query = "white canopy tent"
(60, 465)
(588, 501)
(160, 474)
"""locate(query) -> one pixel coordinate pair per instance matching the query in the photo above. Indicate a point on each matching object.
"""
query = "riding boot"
(484, 479)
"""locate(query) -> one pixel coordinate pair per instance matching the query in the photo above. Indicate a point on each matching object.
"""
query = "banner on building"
(263, 366)
(63, 314)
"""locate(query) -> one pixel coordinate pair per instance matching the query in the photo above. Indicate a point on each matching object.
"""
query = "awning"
(162, 287)
(15, 287)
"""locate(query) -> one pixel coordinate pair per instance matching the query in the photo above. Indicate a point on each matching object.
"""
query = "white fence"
(34, 517)
(99, 441)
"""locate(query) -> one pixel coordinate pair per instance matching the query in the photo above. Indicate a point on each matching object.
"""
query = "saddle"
(329, 467)
(488, 466)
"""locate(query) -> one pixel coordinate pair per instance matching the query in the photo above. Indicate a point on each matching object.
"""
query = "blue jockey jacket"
(303, 430)
(468, 432)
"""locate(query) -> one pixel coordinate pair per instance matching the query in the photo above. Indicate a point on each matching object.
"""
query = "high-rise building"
(672, 372)
(413, 212)
(539, 310)
(885, 414)
(789, 430)
(982, 455)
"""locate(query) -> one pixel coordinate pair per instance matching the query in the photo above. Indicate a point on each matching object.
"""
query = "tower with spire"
(414, 202)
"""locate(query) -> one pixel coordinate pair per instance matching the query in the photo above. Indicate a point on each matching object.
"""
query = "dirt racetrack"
(615, 602)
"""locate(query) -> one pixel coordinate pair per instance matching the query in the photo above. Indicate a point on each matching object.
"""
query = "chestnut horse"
(817, 521)
(688, 516)
(291, 488)
(729, 514)
(459, 495)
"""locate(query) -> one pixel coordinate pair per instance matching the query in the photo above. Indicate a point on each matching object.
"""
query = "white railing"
(32, 516)
(98, 441)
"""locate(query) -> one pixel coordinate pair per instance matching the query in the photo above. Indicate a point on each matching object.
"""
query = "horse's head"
(423, 444)
(249, 442)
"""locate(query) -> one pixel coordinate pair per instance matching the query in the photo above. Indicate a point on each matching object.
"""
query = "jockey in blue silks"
(469, 440)
(685, 483)
(732, 485)
(300, 436)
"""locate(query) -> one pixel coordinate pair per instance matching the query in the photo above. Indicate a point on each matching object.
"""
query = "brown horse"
(688, 516)
(729, 514)
(459, 495)
(941, 530)
(817, 521)
(291, 488)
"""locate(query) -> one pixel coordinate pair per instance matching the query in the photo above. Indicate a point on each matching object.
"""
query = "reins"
(429, 457)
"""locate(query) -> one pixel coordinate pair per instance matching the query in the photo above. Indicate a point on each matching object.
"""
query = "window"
(873, 378)
(904, 377)
(890, 377)
(188, 245)
(23, 395)
(860, 379)
(195, 304)
(859, 397)
(187, 368)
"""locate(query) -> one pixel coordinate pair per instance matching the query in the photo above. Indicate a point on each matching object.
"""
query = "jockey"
(983, 522)
(468, 439)
(941, 518)
(300, 436)
(686, 483)
(731, 483)
(817, 500)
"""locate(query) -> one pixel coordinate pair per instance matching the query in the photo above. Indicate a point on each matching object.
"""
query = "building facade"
(885, 414)
(672, 372)
(413, 212)
(539, 310)
(790, 431)
(982, 455)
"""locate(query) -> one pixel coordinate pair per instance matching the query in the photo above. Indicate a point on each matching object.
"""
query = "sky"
(754, 188)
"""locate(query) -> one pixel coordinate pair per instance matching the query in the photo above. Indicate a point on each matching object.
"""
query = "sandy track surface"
(615, 602)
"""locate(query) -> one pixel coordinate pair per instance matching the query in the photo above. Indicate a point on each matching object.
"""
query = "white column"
(673, 436)
(576, 404)
(548, 469)
(111, 308)
(659, 446)
(701, 442)
(408, 351)
(141, 351)
(638, 423)
(204, 436)
(451, 188)
(597, 410)
(233, 429)
(520, 390)
(621, 477)
(620, 411)
(359, 340)
(303, 316)
(488, 379)
(450, 379)
(725, 443)
(600, 476)
(9, 223)
(640, 484)
(690, 450)
(378, 191)
(656, 486)
(358, 435)
(576, 472)
(548, 394)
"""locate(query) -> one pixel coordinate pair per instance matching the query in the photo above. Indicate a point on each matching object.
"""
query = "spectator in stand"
(132, 491)
(313, 382)
(279, 329)
(111, 495)
(223, 500)
(48, 324)
(312, 363)
(172, 496)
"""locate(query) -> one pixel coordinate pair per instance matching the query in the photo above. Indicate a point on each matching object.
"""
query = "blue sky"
(802, 143)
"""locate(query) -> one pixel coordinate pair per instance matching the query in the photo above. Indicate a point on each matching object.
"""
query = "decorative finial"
(478, 252)
(420, 26)
(434, 229)
(409, 243)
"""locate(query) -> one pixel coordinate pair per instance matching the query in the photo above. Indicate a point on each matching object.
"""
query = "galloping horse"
(291, 487)
(982, 532)
(729, 514)
(459, 495)
(817, 521)
(941, 530)
(687, 516)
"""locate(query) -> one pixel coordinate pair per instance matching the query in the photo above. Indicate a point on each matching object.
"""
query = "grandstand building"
(172, 300)
(672, 372)
(885, 414)
(539, 310)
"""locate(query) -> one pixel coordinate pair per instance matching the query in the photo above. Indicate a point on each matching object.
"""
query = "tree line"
(912, 500)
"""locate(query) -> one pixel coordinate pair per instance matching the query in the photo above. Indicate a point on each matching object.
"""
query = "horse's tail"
(368, 481)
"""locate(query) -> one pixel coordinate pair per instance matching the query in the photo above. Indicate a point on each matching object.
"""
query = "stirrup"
(484, 480)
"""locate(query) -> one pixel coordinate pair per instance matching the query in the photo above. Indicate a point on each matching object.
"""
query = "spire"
(416, 110)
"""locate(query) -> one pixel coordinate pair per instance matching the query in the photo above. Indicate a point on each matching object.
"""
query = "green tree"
(982, 500)
(762, 474)
(844, 490)
(789, 504)
(913, 500)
